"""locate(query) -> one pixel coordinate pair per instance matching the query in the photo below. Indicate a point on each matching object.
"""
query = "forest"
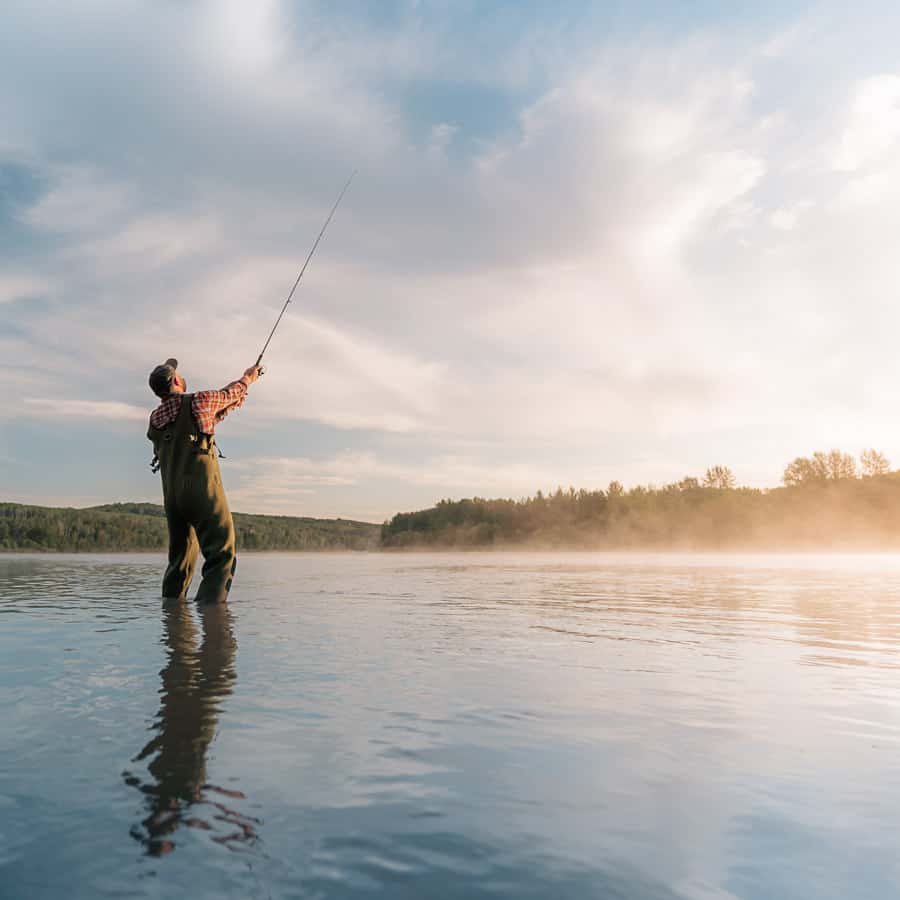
(142, 527)
(828, 501)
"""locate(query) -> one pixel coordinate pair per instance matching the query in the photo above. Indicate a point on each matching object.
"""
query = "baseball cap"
(162, 376)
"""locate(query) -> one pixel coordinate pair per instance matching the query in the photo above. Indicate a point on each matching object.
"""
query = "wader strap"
(209, 448)
(155, 463)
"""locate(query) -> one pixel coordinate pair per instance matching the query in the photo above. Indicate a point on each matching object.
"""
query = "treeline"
(142, 526)
(827, 502)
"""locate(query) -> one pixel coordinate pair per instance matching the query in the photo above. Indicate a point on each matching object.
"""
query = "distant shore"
(844, 513)
(840, 513)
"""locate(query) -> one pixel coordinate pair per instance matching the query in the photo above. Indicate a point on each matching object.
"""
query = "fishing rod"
(308, 258)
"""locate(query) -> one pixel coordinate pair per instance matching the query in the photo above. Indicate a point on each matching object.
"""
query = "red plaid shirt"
(209, 407)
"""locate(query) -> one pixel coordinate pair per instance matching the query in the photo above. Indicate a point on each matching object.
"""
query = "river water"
(453, 726)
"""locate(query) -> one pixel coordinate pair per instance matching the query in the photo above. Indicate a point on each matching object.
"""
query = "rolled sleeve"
(210, 407)
(237, 390)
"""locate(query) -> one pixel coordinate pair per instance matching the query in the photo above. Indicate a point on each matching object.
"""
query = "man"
(182, 429)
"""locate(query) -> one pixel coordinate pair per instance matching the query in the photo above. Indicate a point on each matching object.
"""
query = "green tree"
(719, 477)
(837, 465)
(802, 470)
(874, 463)
(831, 466)
(615, 489)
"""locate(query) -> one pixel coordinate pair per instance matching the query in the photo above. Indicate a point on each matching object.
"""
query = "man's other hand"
(253, 373)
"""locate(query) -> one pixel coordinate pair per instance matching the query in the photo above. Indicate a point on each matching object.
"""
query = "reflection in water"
(447, 727)
(194, 683)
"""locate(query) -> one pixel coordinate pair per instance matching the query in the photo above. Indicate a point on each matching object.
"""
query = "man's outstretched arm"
(210, 407)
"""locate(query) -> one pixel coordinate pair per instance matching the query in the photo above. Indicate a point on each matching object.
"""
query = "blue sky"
(586, 242)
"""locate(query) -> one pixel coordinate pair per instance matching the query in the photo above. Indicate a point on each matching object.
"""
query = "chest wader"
(196, 508)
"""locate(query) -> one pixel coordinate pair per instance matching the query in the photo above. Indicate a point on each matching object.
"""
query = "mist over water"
(453, 726)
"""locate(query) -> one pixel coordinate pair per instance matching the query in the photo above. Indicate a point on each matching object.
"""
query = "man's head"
(164, 380)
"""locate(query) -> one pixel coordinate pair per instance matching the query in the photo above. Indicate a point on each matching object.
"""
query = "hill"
(142, 526)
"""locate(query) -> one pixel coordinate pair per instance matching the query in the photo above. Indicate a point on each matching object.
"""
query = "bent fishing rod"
(308, 258)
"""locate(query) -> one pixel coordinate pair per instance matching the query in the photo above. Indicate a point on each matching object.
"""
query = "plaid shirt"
(209, 407)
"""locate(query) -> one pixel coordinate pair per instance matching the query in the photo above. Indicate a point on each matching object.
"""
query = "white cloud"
(872, 123)
(785, 218)
(150, 242)
(81, 199)
(49, 407)
(785, 41)
(248, 35)
(22, 285)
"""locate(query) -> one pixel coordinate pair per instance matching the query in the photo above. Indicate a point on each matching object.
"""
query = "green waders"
(196, 508)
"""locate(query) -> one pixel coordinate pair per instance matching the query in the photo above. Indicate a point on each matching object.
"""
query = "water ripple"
(493, 725)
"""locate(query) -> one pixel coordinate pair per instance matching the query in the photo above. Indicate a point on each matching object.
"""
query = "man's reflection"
(194, 683)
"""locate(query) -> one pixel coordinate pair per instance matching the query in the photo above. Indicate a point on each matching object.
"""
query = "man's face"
(179, 385)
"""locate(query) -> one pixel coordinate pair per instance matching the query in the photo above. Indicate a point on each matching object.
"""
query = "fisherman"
(182, 429)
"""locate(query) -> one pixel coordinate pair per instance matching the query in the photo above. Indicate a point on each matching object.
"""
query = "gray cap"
(161, 378)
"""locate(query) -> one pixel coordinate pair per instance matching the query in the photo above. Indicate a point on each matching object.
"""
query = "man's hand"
(253, 373)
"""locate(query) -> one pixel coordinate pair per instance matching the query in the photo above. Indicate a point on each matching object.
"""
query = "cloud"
(872, 123)
(22, 285)
(666, 245)
(785, 218)
(80, 199)
(343, 481)
(83, 409)
(150, 242)
(289, 484)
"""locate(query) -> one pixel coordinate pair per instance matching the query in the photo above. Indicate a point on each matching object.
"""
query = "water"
(411, 726)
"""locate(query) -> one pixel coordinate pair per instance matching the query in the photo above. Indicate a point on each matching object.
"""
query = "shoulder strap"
(187, 403)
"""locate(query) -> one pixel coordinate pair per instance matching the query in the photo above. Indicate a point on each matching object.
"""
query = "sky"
(586, 242)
